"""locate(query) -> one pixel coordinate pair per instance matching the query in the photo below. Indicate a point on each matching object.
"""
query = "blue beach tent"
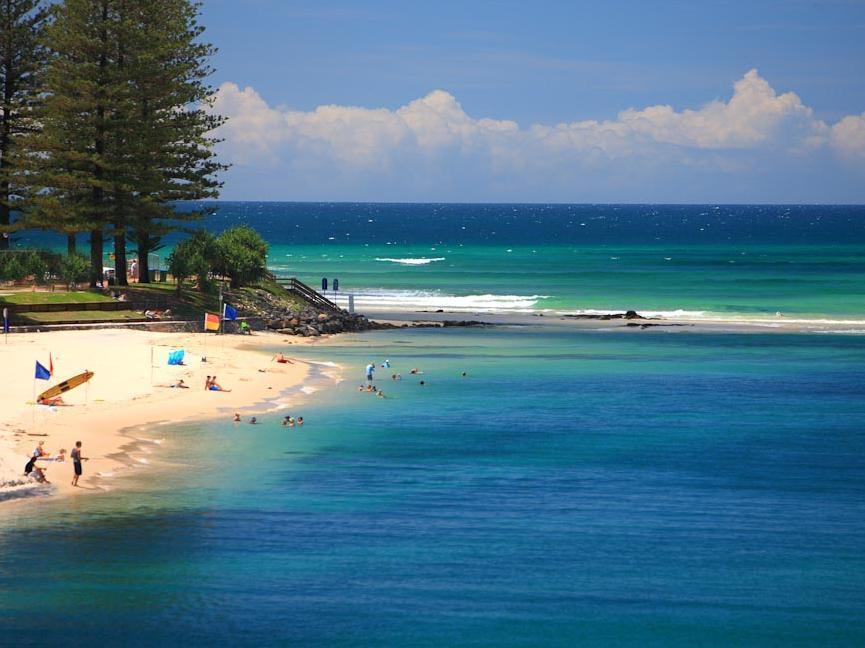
(176, 357)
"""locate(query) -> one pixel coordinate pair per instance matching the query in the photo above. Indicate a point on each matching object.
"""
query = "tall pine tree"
(126, 123)
(82, 123)
(22, 60)
(171, 155)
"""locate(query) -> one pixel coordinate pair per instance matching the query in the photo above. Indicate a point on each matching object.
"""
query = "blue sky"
(489, 101)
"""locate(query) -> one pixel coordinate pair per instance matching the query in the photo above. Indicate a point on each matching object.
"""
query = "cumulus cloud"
(848, 135)
(432, 144)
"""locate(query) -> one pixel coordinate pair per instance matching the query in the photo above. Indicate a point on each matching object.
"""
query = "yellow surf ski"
(65, 386)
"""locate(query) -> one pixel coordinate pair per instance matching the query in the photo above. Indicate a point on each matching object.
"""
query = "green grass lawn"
(78, 316)
(76, 297)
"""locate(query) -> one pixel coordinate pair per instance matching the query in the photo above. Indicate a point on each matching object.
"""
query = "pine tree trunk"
(143, 261)
(96, 244)
(5, 141)
(120, 256)
(71, 244)
(5, 212)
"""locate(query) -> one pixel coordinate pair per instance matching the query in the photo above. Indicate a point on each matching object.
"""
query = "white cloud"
(848, 135)
(432, 141)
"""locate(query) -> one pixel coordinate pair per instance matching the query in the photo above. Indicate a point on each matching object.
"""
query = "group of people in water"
(369, 375)
(37, 472)
(287, 421)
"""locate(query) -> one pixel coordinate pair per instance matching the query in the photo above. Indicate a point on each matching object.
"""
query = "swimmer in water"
(237, 417)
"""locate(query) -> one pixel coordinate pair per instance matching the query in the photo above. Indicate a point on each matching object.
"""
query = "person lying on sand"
(157, 314)
(180, 384)
(57, 401)
(280, 358)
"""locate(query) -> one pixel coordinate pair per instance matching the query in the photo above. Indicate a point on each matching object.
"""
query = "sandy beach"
(130, 389)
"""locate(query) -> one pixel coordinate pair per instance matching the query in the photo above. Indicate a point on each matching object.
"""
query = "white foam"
(412, 261)
(308, 390)
(373, 299)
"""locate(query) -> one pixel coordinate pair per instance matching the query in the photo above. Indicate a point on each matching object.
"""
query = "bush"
(11, 267)
(73, 268)
(242, 255)
(16, 265)
(190, 259)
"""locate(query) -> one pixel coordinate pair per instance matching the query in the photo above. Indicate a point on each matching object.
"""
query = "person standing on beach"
(76, 462)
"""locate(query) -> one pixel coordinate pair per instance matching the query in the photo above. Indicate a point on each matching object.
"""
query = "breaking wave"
(412, 261)
(373, 300)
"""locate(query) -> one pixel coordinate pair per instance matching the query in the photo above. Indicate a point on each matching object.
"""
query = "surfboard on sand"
(65, 386)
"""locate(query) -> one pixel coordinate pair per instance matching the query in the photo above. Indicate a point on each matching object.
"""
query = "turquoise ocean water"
(577, 487)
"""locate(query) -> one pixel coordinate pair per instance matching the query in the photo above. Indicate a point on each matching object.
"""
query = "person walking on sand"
(76, 462)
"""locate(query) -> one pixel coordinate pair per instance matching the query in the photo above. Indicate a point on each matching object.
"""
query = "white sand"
(124, 392)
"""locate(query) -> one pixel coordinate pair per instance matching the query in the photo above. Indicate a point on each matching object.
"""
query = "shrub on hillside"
(242, 255)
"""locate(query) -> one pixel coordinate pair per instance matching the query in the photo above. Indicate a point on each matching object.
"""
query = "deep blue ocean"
(630, 487)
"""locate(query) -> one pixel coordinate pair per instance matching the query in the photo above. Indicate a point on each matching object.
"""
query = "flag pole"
(221, 312)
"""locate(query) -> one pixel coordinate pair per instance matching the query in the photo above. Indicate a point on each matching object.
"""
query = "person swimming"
(236, 418)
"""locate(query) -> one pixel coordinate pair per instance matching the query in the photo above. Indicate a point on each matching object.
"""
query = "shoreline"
(128, 397)
(759, 324)
(115, 410)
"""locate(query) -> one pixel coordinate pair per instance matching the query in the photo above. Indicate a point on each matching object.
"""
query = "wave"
(414, 300)
(412, 261)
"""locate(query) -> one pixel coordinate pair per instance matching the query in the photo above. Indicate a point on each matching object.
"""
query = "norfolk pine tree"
(126, 122)
(86, 101)
(22, 61)
(171, 151)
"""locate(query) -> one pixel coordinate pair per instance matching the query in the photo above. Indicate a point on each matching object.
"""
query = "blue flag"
(229, 312)
(41, 372)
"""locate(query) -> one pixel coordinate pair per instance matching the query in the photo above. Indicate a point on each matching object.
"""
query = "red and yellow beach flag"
(211, 322)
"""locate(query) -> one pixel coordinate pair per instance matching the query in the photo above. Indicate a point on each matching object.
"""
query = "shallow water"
(593, 487)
